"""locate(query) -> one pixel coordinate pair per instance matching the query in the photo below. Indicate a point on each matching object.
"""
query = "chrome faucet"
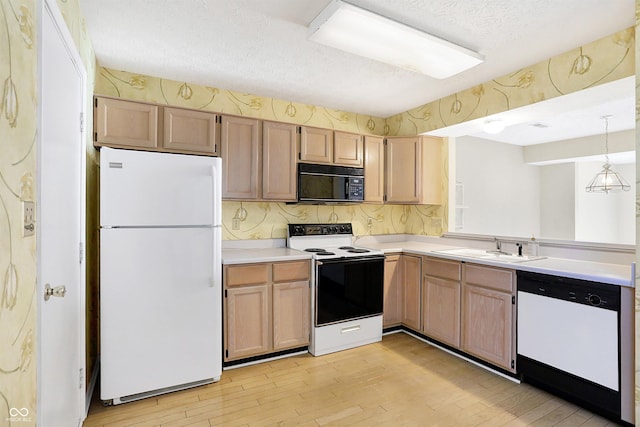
(498, 245)
(498, 249)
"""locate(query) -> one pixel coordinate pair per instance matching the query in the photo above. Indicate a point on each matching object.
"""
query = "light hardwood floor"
(400, 381)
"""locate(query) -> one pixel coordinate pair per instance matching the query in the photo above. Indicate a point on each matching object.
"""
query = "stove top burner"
(325, 253)
(314, 250)
(358, 250)
(346, 248)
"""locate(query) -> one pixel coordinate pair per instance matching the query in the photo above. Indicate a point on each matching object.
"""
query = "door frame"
(50, 8)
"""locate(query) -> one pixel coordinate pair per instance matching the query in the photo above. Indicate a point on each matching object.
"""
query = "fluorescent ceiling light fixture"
(493, 126)
(349, 28)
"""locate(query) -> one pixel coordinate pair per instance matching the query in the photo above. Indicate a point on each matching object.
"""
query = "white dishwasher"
(568, 339)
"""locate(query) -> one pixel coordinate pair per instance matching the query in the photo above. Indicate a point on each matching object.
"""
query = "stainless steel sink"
(489, 255)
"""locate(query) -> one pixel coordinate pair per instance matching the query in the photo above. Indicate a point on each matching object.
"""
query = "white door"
(60, 226)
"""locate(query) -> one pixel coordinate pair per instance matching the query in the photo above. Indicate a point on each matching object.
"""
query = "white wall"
(607, 218)
(557, 203)
(501, 191)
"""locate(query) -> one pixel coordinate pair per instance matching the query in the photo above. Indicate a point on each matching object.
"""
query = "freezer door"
(158, 189)
(160, 309)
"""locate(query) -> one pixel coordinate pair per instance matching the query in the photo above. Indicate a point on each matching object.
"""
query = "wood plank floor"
(400, 381)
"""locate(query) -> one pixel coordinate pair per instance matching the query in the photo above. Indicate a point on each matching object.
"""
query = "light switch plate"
(28, 218)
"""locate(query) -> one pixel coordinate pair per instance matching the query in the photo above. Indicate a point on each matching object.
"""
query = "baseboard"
(92, 386)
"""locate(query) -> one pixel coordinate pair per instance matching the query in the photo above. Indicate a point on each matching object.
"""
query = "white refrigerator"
(160, 273)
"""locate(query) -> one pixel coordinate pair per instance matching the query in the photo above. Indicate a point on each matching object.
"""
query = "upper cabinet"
(374, 169)
(241, 142)
(126, 124)
(259, 160)
(331, 147)
(137, 125)
(279, 161)
(316, 145)
(189, 131)
(347, 149)
(413, 170)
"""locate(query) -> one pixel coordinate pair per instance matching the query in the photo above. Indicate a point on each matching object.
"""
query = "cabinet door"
(248, 321)
(441, 310)
(240, 140)
(373, 169)
(279, 161)
(347, 149)
(125, 123)
(487, 325)
(190, 131)
(403, 169)
(392, 302)
(316, 145)
(431, 170)
(411, 277)
(291, 314)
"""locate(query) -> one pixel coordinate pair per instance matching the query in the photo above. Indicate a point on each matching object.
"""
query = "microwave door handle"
(346, 189)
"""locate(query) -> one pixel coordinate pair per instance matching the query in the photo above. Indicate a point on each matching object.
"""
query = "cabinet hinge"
(95, 136)
(81, 257)
(513, 299)
(226, 353)
(299, 130)
(225, 293)
(95, 102)
(513, 364)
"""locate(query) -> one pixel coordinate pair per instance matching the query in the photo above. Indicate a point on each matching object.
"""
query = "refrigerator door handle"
(216, 187)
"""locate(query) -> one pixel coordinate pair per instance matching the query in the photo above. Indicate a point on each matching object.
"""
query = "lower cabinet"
(392, 308)
(488, 314)
(266, 308)
(411, 276)
(441, 300)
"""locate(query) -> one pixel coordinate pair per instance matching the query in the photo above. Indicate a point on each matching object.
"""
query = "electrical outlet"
(28, 218)
(235, 224)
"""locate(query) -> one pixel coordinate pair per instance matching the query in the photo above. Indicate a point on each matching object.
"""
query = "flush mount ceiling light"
(493, 126)
(607, 180)
(349, 28)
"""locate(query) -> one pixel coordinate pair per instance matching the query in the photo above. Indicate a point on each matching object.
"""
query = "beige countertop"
(250, 255)
(615, 274)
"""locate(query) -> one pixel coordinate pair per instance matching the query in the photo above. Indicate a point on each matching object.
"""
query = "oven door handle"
(366, 258)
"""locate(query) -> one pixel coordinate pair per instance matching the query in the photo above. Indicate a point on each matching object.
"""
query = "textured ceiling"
(260, 46)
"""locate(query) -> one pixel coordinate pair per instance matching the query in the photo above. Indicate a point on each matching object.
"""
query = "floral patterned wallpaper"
(608, 59)
(18, 123)
(18, 153)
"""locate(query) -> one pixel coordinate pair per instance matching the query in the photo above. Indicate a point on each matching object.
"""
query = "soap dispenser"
(533, 246)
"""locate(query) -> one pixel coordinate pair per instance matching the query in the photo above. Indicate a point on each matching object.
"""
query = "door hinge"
(81, 253)
(513, 299)
(81, 122)
(81, 378)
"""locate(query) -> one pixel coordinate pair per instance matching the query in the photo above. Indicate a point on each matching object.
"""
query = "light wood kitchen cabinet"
(488, 314)
(190, 131)
(348, 149)
(411, 276)
(279, 178)
(413, 170)
(374, 169)
(240, 149)
(316, 145)
(266, 308)
(126, 124)
(441, 300)
(392, 300)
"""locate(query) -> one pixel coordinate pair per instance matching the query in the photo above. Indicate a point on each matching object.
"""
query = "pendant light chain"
(606, 138)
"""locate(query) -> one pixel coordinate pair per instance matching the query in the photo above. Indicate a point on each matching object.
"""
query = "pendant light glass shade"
(607, 180)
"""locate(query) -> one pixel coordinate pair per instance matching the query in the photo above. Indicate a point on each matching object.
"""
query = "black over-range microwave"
(327, 183)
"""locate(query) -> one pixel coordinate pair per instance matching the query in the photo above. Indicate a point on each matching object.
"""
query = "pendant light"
(607, 180)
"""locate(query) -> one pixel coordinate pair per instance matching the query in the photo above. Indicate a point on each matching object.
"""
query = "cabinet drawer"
(490, 277)
(442, 268)
(290, 271)
(239, 275)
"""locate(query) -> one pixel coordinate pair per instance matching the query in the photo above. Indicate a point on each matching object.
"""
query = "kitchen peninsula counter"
(615, 274)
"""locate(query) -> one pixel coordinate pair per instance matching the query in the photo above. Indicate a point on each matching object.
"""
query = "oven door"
(348, 289)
